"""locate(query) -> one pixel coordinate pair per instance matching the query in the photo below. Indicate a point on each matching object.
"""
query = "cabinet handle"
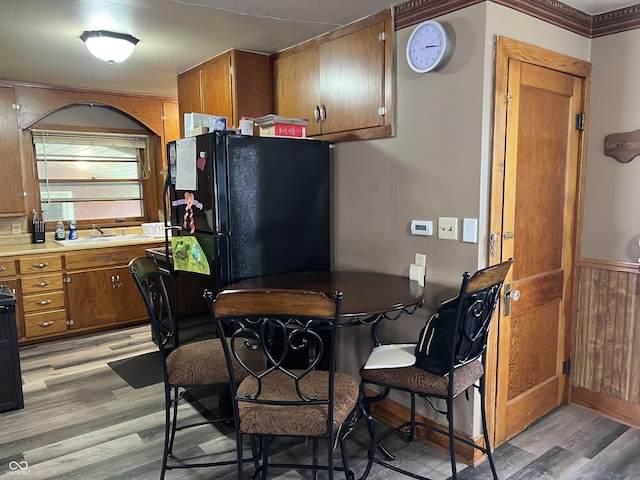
(323, 113)
(41, 265)
(42, 284)
(316, 113)
(3, 268)
(45, 324)
(43, 302)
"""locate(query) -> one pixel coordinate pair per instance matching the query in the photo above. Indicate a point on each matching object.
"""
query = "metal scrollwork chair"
(288, 398)
(462, 365)
(185, 366)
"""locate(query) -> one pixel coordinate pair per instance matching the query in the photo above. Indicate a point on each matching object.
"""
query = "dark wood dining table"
(368, 296)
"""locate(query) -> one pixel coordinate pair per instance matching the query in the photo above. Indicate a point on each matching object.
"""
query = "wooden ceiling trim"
(616, 21)
(550, 11)
(553, 12)
(416, 11)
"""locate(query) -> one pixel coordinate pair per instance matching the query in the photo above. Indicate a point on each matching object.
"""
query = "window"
(90, 176)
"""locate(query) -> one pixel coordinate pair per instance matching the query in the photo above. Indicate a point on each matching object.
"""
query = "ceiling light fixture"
(111, 47)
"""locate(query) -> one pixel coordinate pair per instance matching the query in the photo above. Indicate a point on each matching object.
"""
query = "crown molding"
(550, 11)
(616, 21)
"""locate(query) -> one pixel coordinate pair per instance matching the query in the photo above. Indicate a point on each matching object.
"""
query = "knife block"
(37, 237)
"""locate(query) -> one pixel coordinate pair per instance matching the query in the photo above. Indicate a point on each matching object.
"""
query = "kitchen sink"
(102, 240)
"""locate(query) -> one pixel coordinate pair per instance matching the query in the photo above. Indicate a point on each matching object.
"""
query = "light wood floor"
(82, 421)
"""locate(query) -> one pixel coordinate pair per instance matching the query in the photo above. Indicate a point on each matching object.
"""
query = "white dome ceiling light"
(111, 47)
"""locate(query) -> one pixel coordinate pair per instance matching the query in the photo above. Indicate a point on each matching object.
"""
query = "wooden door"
(91, 298)
(358, 58)
(216, 87)
(128, 299)
(103, 297)
(535, 213)
(189, 95)
(251, 85)
(11, 182)
(297, 87)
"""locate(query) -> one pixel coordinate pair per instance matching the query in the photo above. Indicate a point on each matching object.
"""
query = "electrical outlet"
(16, 229)
(448, 228)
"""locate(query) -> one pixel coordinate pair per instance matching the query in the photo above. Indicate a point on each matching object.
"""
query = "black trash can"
(10, 378)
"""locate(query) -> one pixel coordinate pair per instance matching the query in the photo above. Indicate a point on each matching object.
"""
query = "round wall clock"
(428, 47)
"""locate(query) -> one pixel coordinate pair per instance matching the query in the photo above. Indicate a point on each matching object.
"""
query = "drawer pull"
(43, 302)
(45, 324)
(41, 265)
(42, 284)
(2, 268)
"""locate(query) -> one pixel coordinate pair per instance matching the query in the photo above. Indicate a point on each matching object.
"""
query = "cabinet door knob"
(2, 268)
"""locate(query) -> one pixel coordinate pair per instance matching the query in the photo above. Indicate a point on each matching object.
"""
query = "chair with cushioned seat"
(465, 355)
(291, 398)
(185, 366)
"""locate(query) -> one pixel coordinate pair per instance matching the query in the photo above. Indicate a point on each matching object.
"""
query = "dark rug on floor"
(139, 371)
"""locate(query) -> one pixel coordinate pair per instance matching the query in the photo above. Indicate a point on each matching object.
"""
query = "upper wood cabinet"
(234, 84)
(11, 181)
(341, 81)
(296, 92)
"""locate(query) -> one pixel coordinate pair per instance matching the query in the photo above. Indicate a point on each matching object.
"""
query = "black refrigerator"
(253, 205)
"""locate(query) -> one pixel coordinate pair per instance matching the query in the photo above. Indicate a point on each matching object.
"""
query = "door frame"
(505, 50)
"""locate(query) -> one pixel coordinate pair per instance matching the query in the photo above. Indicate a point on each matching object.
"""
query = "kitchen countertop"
(16, 245)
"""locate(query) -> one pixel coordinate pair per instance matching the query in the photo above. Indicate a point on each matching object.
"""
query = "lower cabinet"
(42, 295)
(74, 291)
(8, 278)
(99, 289)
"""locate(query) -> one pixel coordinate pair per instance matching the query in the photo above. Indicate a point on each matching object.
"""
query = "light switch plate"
(448, 228)
(470, 230)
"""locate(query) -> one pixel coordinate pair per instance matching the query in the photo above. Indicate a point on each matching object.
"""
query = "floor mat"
(139, 371)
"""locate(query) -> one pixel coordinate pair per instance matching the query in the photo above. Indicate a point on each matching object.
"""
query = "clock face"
(428, 47)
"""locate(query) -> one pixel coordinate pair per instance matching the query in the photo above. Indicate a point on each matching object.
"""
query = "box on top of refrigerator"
(194, 121)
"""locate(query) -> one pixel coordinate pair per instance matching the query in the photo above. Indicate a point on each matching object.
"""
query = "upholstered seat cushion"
(203, 363)
(421, 381)
(291, 420)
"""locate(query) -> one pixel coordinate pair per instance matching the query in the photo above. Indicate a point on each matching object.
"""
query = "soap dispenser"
(60, 232)
(73, 233)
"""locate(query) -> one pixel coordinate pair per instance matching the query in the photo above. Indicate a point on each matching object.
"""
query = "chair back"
(475, 306)
(148, 279)
(293, 329)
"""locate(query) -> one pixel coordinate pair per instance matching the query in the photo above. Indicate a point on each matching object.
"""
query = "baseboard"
(393, 413)
(611, 407)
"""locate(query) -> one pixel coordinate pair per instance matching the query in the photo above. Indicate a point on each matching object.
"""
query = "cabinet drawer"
(43, 301)
(41, 283)
(47, 323)
(7, 267)
(104, 257)
(40, 263)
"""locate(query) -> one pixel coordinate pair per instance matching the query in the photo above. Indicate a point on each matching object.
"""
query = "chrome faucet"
(96, 227)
